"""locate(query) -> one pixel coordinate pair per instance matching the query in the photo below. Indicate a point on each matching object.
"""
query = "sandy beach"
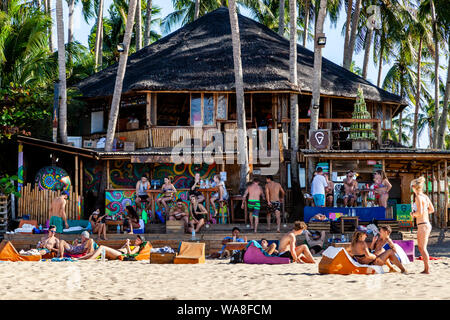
(218, 279)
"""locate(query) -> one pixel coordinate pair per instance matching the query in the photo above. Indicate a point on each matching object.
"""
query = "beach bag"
(237, 256)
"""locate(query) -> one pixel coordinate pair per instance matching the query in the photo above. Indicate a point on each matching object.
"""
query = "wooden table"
(236, 246)
(343, 219)
(232, 200)
(115, 223)
(152, 195)
(364, 193)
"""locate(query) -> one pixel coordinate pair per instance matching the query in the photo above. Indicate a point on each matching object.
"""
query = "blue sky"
(332, 51)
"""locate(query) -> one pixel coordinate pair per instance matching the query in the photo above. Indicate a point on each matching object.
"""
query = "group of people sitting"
(86, 248)
(194, 216)
(322, 189)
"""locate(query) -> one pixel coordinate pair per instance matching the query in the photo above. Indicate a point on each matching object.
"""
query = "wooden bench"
(319, 226)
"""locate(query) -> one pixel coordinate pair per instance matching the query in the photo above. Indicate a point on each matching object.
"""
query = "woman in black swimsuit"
(197, 214)
(132, 219)
(361, 254)
(194, 188)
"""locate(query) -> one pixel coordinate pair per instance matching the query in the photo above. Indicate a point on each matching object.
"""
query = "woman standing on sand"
(382, 187)
(421, 208)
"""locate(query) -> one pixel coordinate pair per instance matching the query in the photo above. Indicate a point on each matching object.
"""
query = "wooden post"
(77, 175)
(148, 110)
(426, 182)
(107, 175)
(432, 192)
(439, 206)
(284, 116)
(81, 176)
(327, 109)
(446, 194)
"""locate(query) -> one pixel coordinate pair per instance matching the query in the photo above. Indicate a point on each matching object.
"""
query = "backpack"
(237, 256)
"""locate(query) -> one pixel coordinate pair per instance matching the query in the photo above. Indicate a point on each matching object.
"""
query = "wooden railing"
(169, 137)
(36, 203)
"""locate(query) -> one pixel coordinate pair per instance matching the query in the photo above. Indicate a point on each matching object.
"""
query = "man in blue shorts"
(318, 186)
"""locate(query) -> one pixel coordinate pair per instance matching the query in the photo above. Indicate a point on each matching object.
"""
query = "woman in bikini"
(132, 219)
(361, 254)
(382, 187)
(422, 207)
(197, 214)
(98, 224)
(168, 191)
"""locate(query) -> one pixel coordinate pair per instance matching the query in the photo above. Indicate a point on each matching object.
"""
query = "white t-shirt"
(318, 185)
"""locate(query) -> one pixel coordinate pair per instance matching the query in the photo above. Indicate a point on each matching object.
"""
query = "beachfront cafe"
(186, 81)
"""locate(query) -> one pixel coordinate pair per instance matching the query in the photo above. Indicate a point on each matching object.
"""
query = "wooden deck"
(212, 237)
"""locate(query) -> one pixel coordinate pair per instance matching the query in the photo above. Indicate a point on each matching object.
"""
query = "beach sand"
(218, 279)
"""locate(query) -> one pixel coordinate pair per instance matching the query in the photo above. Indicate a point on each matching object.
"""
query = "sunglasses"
(52, 231)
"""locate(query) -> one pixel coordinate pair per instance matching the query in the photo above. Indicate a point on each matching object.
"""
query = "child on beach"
(382, 242)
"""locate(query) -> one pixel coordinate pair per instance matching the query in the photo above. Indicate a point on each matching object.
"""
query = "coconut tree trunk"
(347, 28)
(368, 45)
(305, 31)
(114, 112)
(148, 23)
(315, 101)
(281, 18)
(400, 127)
(61, 72)
(48, 10)
(71, 5)
(240, 107)
(351, 44)
(416, 111)
(138, 25)
(196, 9)
(443, 120)
(380, 63)
(98, 36)
(436, 71)
(293, 77)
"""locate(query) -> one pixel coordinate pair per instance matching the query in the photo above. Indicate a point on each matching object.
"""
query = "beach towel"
(9, 253)
(431, 258)
(254, 254)
(338, 261)
(190, 253)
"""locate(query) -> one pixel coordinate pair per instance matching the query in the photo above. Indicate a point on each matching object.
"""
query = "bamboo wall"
(36, 203)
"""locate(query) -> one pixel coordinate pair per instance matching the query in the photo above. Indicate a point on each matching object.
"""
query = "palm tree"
(348, 55)
(306, 24)
(444, 116)
(240, 108)
(281, 12)
(196, 9)
(114, 112)
(48, 10)
(347, 29)
(138, 19)
(436, 71)
(148, 21)
(62, 72)
(99, 37)
(315, 101)
(293, 77)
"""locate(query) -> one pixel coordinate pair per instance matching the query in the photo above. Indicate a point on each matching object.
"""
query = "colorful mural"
(124, 174)
(92, 177)
(183, 174)
(117, 201)
(52, 178)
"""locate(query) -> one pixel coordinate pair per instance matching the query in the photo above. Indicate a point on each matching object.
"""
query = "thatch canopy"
(199, 57)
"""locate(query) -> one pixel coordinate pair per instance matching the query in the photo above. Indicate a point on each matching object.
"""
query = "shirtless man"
(254, 192)
(273, 190)
(58, 209)
(288, 246)
(50, 243)
(377, 246)
(329, 191)
(179, 212)
(350, 187)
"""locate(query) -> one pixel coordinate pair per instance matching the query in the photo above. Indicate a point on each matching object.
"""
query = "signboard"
(404, 217)
(320, 139)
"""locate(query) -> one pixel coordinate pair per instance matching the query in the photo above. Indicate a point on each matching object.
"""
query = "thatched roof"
(199, 57)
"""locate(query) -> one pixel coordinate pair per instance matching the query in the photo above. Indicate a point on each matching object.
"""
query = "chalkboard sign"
(404, 216)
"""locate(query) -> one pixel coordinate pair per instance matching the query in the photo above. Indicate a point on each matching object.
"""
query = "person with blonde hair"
(421, 208)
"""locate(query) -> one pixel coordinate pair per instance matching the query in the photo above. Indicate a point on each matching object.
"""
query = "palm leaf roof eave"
(199, 57)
